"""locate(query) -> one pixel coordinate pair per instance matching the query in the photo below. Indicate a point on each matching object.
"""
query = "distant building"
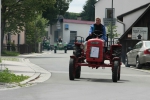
(68, 29)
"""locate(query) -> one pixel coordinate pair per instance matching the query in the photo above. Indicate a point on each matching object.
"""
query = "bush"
(10, 53)
(7, 77)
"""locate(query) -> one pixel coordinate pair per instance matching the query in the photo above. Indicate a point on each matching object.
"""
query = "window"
(138, 45)
(108, 13)
(147, 44)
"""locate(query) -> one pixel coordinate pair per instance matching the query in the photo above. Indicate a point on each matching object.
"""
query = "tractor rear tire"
(55, 51)
(71, 69)
(78, 72)
(65, 50)
(115, 71)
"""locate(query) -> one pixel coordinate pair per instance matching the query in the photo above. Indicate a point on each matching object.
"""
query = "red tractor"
(93, 54)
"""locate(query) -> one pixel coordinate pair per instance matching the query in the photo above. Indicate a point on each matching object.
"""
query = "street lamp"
(111, 24)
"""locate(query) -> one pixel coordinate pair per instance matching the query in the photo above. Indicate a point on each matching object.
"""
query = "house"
(103, 9)
(67, 29)
(136, 30)
(16, 38)
(127, 15)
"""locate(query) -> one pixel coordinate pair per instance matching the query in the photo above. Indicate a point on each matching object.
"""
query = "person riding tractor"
(99, 28)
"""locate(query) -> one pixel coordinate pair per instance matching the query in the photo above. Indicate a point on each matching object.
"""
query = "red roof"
(78, 21)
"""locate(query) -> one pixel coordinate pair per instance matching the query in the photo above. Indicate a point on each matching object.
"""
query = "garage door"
(73, 34)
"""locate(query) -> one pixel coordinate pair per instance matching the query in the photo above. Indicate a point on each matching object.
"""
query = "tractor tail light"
(147, 51)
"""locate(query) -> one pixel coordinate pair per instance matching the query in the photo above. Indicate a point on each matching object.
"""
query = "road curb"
(38, 73)
(35, 76)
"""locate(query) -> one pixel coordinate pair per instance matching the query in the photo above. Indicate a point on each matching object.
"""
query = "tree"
(59, 8)
(70, 15)
(114, 31)
(16, 13)
(88, 12)
(35, 30)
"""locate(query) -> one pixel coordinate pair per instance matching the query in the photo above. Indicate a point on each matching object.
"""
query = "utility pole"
(0, 29)
(111, 24)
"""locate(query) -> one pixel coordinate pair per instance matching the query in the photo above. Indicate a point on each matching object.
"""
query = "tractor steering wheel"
(97, 33)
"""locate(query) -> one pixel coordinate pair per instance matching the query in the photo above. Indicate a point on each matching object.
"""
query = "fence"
(24, 48)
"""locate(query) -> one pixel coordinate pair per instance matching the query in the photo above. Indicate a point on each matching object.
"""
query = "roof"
(78, 21)
(120, 17)
(148, 8)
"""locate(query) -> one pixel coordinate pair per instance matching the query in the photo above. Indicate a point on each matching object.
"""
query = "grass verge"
(7, 77)
(10, 53)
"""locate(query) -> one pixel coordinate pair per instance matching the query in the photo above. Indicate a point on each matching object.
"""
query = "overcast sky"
(76, 6)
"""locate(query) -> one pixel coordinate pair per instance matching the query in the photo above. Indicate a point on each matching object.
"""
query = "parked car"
(70, 45)
(139, 55)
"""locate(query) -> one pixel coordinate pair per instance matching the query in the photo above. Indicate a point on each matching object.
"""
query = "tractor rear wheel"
(55, 49)
(78, 72)
(72, 69)
(65, 50)
(115, 71)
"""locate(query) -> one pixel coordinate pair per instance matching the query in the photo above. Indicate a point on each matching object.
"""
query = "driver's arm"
(104, 34)
(91, 29)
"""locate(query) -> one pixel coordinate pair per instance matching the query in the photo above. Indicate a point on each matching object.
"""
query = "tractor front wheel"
(78, 72)
(72, 69)
(115, 70)
(119, 71)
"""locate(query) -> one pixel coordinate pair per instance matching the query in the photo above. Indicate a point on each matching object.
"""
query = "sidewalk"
(25, 67)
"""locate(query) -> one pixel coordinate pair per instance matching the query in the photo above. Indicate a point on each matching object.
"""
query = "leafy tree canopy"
(71, 15)
(15, 13)
(59, 8)
(114, 33)
(88, 12)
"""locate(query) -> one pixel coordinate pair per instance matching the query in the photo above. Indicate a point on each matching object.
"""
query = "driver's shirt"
(99, 27)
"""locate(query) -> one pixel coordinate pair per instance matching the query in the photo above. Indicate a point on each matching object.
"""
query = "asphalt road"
(95, 84)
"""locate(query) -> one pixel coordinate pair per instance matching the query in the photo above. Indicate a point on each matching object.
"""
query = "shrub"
(10, 53)
(7, 77)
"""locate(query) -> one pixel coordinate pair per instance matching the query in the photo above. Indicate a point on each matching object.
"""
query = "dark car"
(70, 45)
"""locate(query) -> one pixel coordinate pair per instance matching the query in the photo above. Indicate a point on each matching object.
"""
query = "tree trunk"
(3, 23)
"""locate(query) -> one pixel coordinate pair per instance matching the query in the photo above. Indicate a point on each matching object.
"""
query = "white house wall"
(51, 33)
(121, 6)
(130, 19)
(15, 38)
(82, 30)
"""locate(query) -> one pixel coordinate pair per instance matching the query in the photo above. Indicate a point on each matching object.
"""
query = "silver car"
(139, 55)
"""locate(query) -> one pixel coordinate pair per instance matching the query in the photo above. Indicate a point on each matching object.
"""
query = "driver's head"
(98, 21)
